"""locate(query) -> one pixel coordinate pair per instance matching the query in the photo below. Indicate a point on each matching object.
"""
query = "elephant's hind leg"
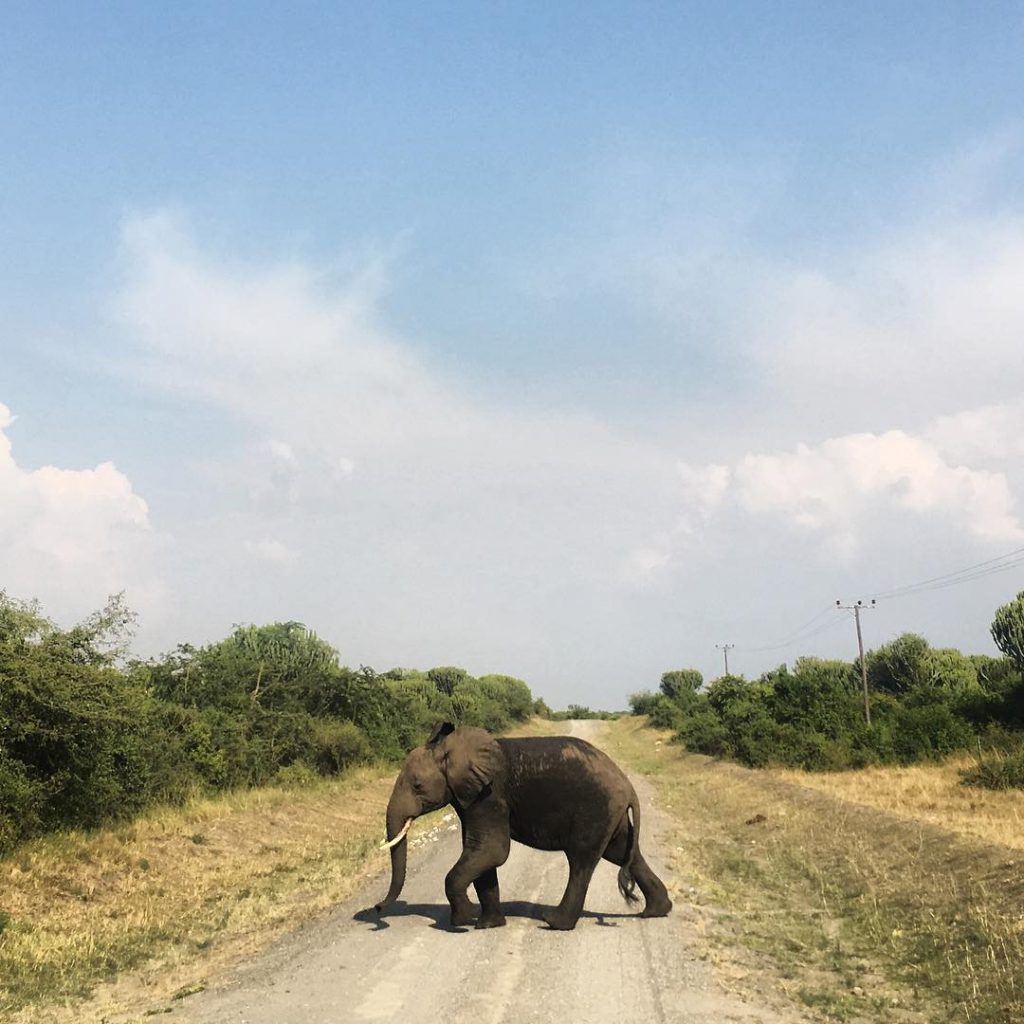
(656, 898)
(567, 913)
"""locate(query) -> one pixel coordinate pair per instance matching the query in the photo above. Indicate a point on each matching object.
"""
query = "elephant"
(547, 792)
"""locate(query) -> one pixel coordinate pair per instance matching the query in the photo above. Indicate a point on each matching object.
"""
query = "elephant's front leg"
(486, 849)
(490, 901)
(468, 868)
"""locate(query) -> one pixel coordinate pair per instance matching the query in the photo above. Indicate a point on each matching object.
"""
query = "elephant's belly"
(540, 838)
(557, 829)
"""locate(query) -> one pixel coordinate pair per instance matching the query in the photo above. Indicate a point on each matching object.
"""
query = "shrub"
(704, 733)
(996, 771)
(928, 730)
(818, 696)
(86, 737)
(336, 745)
(642, 703)
(295, 776)
(664, 713)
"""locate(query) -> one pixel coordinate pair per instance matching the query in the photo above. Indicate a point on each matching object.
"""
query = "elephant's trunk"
(399, 818)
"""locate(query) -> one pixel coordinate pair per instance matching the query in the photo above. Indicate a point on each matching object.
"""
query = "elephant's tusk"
(388, 843)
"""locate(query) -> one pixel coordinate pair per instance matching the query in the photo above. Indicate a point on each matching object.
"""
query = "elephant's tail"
(627, 883)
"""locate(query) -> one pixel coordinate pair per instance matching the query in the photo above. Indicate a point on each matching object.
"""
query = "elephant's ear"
(473, 759)
(441, 730)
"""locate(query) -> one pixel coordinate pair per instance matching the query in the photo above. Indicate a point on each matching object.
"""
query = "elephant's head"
(453, 766)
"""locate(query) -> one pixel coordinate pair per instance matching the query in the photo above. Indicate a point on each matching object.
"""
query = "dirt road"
(412, 968)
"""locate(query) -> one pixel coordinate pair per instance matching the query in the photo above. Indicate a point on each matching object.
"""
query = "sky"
(569, 341)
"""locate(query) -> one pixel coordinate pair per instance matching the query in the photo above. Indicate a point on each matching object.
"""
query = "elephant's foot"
(659, 908)
(559, 921)
(492, 921)
(463, 915)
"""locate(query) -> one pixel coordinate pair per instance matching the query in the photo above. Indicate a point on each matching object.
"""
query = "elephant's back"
(561, 785)
(545, 754)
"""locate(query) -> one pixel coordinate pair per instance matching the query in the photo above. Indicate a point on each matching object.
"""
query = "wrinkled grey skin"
(551, 793)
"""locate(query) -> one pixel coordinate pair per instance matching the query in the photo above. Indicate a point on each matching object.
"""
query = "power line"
(799, 635)
(991, 566)
(979, 570)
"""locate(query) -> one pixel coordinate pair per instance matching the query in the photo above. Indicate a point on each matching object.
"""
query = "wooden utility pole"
(857, 609)
(725, 649)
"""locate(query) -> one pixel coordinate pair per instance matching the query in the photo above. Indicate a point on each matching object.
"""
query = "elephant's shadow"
(438, 914)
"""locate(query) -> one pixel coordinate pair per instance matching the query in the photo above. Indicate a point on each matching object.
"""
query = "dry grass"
(97, 925)
(928, 793)
(191, 887)
(862, 914)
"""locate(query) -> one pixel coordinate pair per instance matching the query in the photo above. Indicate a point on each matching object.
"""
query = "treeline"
(925, 703)
(88, 735)
(576, 712)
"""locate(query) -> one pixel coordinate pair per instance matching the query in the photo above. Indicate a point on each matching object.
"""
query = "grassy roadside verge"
(858, 914)
(177, 894)
(97, 925)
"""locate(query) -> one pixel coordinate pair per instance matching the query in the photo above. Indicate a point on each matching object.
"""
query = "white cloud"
(828, 488)
(467, 518)
(270, 550)
(993, 432)
(281, 451)
(71, 536)
(511, 537)
(930, 321)
(838, 492)
(344, 467)
(705, 486)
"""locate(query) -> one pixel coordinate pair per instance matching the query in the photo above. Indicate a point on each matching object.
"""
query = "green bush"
(86, 737)
(337, 745)
(926, 731)
(926, 703)
(705, 733)
(996, 771)
(643, 702)
(297, 775)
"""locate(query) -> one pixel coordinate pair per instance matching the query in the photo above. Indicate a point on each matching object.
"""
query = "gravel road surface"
(411, 967)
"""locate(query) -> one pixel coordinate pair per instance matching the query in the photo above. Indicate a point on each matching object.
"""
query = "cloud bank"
(69, 534)
(872, 432)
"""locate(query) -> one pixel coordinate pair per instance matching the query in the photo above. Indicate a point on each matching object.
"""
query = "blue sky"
(552, 294)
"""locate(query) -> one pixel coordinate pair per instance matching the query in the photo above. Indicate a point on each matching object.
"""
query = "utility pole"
(725, 649)
(857, 609)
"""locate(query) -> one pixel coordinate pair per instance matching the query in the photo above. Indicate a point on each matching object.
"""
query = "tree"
(513, 693)
(280, 666)
(644, 702)
(819, 695)
(897, 666)
(1008, 630)
(681, 682)
(447, 677)
(946, 669)
(728, 690)
(74, 744)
